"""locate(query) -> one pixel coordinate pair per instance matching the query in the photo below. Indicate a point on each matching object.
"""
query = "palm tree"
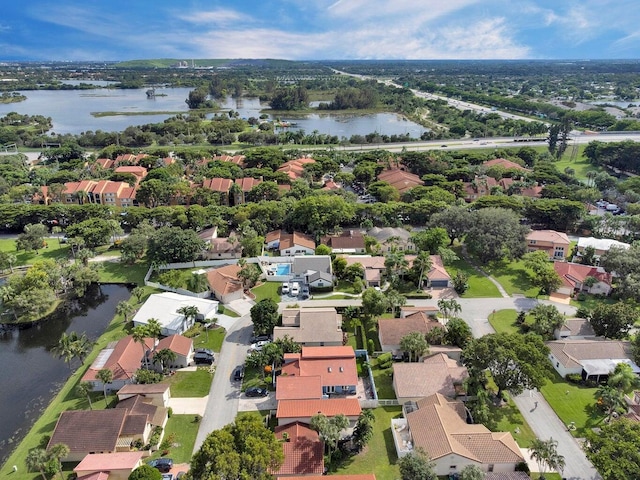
(163, 357)
(65, 349)
(105, 376)
(624, 379)
(58, 452)
(84, 389)
(138, 292)
(81, 345)
(611, 399)
(140, 335)
(190, 312)
(37, 460)
(422, 263)
(449, 308)
(545, 453)
(125, 309)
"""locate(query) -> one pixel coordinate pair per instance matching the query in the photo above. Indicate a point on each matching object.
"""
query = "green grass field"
(267, 290)
(185, 430)
(513, 277)
(53, 251)
(504, 321)
(190, 384)
(116, 272)
(507, 418)
(479, 285)
(211, 340)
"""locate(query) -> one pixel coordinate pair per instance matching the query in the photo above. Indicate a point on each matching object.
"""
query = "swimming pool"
(283, 269)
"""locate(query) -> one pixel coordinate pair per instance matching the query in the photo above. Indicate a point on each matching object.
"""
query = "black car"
(259, 338)
(238, 373)
(162, 464)
(256, 392)
(204, 350)
(203, 357)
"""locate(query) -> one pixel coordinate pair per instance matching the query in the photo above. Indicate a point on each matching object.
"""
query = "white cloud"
(220, 16)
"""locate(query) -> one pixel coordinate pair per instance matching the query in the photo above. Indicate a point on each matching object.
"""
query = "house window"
(490, 468)
(557, 364)
(452, 467)
(532, 242)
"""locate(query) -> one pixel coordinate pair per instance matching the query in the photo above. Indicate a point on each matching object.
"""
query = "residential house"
(156, 393)
(303, 450)
(129, 159)
(236, 159)
(350, 241)
(219, 185)
(311, 326)
(430, 310)
(140, 406)
(178, 344)
(574, 276)
(290, 244)
(554, 244)
(244, 186)
(435, 374)
(592, 358)
(104, 163)
(117, 466)
(105, 192)
(123, 358)
(135, 170)
(220, 248)
(483, 185)
(314, 270)
(330, 185)
(366, 476)
(437, 276)
(291, 411)
(336, 367)
(165, 307)
(400, 179)
(600, 245)
(574, 329)
(373, 268)
(224, 283)
(294, 169)
(295, 387)
(390, 237)
(391, 330)
(439, 426)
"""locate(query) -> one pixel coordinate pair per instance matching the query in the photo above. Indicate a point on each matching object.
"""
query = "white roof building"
(165, 306)
(600, 245)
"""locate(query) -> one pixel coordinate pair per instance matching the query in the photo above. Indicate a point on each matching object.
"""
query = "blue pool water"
(283, 269)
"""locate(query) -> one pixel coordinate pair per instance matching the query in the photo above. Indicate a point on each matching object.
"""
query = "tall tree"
(145, 472)
(623, 378)
(415, 345)
(613, 320)
(472, 472)
(613, 450)
(57, 452)
(264, 316)
(545, 453)
(416, 465)
(421, 265)
(449, 308)
(374, 303)
(546, 319)
(496, 233)
(455, 220)
(329, 429)
(125, 309)
(163, 357)
(84, 389)
(105, 376)
(64, 349)
(140, 335)
(542, 273)
(190, 312)
(32, 238)
(458, 332)
(173, 244)
(37, 459)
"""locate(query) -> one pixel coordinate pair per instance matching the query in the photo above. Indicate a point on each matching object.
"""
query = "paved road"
(545, 424)
(222, 406)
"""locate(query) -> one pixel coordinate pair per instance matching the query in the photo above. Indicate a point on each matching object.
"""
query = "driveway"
(189, 405)
(545, 424)
(222, 404)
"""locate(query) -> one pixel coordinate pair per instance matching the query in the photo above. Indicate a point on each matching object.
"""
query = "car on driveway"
(162, 464)
(256, 347)
(259, 338)
(238, 373)
(256, 392)
(203, 356)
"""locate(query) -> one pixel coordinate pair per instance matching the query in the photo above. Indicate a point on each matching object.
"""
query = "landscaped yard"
(383, 380)
(504, 321)
(380, 455)
(185, 429)
(507, 418)
(573, 403)
(479, 285)
(190, 384)
(116, 272)
(267, 290)
(54, 251)
(211, 340)
(513, 277)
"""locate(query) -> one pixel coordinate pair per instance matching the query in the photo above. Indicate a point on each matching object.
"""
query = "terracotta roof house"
(435, 374)
(390, 237)
(129, 158)
(290, 411)
(220, 185)
(504, 163)
(165, 307)
(330, 185)
(350, 241)
(135, 170)
(105, 192)
(99, 431)
(139, 406)
(437, 276)
(303, 450)
(400, 179)
(290, 244)
(480, 186)
(574, 329)
(244, 186)
(366, 476)
(592, 358)
(555, 244)
(236, 159)
(373, 268)
(123, 358)
(311, 326)
(430, 310)
(272, 239)
(295, 168)
(217, 248)
(439, 426)
(600, 245)
(178, 344)
(157, 393)
(295, 387)
(224, 283)
(391, 330)
(117, 466)
(574, 275)
(336, 366)
(105, 163)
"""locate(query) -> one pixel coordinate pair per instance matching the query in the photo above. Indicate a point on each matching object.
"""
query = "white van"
(285, 288)
(295, 289)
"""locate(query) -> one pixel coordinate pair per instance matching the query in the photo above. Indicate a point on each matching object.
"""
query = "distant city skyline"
(71, 30)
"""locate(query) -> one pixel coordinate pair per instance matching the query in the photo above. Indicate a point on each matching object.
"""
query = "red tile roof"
(217, 184)
(143, 389)
(335, 365)
(292, 387)
(176, 343)
(125, 358)
(366, 476)
(574, 273)
(401, 180)
(391, 330)
(288, 240)
(303, 450)
(89, 430)
(109, 461)
(504, 163)
(224, 280)
(308, 408)
(247, 183)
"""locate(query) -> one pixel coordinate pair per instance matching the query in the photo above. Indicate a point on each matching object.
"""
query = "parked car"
(305, 289)
(256, 347)
(238, 373)
(295, 289)
(256, 392)
(167, 476)
(204, 357)
(204, 350)
(259, 338)
(162, 464)
(285, 288)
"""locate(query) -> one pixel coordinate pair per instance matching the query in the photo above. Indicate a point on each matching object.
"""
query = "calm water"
(71, 111)
(31, 375)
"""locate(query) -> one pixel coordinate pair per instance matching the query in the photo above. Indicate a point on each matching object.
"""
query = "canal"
(30, 375)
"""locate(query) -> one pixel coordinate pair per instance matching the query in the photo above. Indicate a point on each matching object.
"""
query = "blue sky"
(319, 29)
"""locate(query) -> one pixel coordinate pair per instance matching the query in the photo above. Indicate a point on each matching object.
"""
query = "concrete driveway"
(189, 406)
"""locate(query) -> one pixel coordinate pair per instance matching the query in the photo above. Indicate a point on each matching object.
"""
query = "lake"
(31, 375)
(71, 111)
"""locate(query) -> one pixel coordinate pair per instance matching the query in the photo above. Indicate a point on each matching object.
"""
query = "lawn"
(116, 272)
(479, 285)
(580, 165)
(53, 251)
(185, 430)
(380, 455)
(211, 340)
(573, 403)
(507, 418)
(504, 321)
(384, 381)
(253, 378)
(267, 290)
(346, 287)
(190, 384)
(513, 277)
(229, 313)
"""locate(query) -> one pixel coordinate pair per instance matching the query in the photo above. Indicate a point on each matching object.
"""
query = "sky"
(105, 30)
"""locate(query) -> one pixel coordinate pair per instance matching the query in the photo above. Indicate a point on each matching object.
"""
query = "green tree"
(613, 320)
(626, 264)
(416, 465)
(448, 308)
(140, 335)
(472, 472)
(105, 376)
(374, 304)
(264, 316)
(7, 260)
(329, 429)
(249, 273)
(363, 431)
(65, 349)
(245, 449)
(458, 332)
(37, 459)
(516, 362)
(84, 389)
(163, 357)
(431, 240)
(173, 244)
(133, 248)
(460, 282)
(623, 378)
(421, 265)
(611, 400)
(57, 452)
(94, 231)
(546, 319)
(145, 376)
(613, 449)
(496, 233)
(455, 220)
(323, 250)
(190, 312)
(545, 453)
(542, 274)
(145, 472)
(138, 292)
(125, 309)
(32, 238)
(415, 345)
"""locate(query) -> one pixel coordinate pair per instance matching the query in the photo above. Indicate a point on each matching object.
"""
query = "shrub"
(574, 378)
(370, 346)
(385, 360)
(581, 297)
(169, 412)
(583, 312)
